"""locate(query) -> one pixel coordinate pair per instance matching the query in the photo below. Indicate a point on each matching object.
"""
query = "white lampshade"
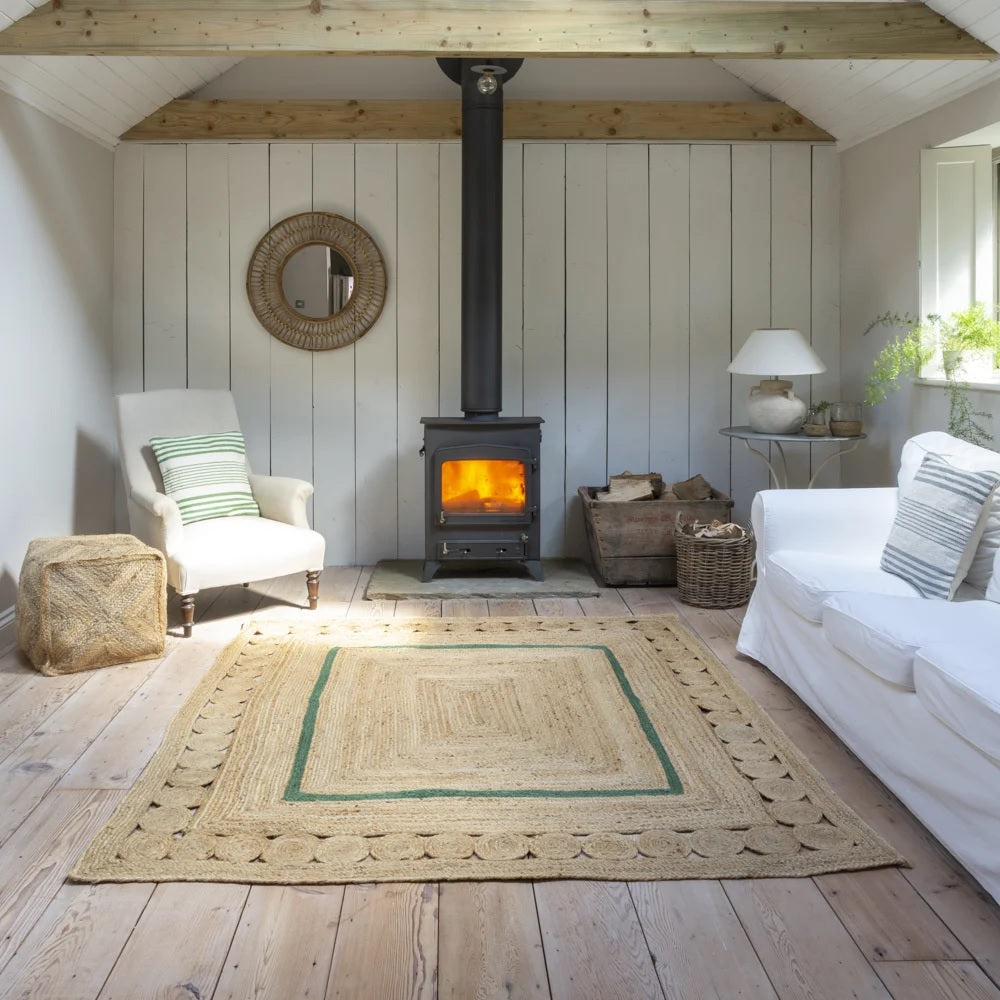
(776, 352)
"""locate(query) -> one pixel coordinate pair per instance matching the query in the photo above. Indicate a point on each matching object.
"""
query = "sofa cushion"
(206, 474)
(962, 455)
(883, 632)
(939, 520)
(959, 684)
(993, 587)
(242, 548)
(804, 580)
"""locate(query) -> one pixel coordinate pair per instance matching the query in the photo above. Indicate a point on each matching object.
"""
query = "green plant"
(963, 421)
(971, 329)
(906, 353)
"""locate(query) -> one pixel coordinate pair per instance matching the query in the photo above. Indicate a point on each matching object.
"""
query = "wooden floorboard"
(804, 948)
(35, 861)
(387, 943)
(71, 746)
(49, 751)
(73, 947)
(489, 941)
(674, 915)
(180, 943)
(285, 935)
(888, 919)
(594, 945)
(937, 981)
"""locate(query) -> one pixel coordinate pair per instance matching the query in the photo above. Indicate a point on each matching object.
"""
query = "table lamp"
(773, 407)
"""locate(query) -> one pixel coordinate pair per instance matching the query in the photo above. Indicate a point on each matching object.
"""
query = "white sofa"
(911, 685)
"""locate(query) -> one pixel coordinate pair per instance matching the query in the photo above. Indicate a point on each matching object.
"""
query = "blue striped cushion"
(206, 474)
(939, 520)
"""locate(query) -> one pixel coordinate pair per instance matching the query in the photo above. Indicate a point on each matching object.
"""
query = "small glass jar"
(845, 419)
(815, 424)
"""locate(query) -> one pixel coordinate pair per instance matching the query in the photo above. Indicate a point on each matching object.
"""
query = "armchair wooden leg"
(187, 613)
(312, 585)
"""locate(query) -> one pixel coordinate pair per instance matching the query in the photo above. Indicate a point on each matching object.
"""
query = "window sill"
(942, 383)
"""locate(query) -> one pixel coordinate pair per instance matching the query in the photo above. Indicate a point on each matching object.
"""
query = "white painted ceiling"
(104, 96)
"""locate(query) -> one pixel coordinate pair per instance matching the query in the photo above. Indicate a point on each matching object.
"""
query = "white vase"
(971, 365)
(773, 408)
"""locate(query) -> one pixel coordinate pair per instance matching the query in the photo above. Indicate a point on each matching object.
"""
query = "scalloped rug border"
(154, 835)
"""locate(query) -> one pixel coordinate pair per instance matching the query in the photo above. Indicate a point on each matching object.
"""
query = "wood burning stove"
(482, 493)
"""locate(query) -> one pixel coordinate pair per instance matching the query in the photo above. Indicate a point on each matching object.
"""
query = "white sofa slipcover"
(911, 685)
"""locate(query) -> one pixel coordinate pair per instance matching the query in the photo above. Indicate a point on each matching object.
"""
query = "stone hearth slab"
(399, 579)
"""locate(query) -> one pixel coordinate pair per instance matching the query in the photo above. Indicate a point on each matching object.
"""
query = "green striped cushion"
(206, 474)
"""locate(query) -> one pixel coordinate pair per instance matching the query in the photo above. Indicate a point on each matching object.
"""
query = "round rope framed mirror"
(316, 281)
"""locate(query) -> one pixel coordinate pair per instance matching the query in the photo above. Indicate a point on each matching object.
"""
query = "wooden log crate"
(632, 542)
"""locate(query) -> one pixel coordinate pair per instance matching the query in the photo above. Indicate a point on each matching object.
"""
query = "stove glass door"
(482, 486)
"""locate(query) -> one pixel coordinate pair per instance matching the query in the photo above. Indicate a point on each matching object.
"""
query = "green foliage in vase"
(902, 357)
(971, 329)
(906, 353)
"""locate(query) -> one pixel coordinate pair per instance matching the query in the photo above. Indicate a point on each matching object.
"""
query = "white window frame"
(959, 250)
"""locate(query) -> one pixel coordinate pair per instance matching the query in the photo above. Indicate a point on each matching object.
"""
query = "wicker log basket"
(714, 570)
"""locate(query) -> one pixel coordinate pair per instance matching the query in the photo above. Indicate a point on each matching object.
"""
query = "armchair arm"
(155, 519)
(838, 521)
(282, 498)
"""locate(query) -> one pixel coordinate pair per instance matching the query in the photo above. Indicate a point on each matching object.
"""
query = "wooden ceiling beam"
(753, 29)
(188, 120)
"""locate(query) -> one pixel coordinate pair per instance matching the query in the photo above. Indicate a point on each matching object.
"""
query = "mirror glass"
(317, 281)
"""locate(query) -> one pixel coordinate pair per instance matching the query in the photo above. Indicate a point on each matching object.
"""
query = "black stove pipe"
(482, 232)
(482, 248)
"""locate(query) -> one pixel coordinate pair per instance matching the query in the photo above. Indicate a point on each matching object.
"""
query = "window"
(958, 241)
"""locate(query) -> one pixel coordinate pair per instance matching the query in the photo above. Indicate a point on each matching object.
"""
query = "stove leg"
(534, 568)
(431, 566)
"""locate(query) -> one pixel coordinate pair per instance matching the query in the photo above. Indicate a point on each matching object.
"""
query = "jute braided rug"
(431, 749)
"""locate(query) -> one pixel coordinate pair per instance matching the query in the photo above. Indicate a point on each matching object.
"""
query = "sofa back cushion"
(967, 456)
(939, 521)
(993, 588)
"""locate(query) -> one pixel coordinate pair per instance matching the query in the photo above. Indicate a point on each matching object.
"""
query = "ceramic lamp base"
(773, 408)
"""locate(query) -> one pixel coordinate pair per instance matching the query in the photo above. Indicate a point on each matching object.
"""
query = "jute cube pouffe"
(86, 601)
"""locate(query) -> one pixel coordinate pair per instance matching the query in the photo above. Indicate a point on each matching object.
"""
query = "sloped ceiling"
(100, 96)
(857, 100)
(103, 96)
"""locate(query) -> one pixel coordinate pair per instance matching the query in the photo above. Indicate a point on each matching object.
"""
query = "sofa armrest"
(282, 498)
(155, 519)
(838, 521)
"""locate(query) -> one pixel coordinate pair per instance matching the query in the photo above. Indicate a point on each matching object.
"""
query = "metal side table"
(780, 475)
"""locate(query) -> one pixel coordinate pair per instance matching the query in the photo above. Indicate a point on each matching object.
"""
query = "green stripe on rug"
(294, 793)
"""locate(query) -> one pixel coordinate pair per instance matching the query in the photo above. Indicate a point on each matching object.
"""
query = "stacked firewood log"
(650, 486)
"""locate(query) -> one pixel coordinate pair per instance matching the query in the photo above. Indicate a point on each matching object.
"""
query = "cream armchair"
(222, 550)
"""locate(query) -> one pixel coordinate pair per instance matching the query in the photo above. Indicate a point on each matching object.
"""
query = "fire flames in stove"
(482, 486)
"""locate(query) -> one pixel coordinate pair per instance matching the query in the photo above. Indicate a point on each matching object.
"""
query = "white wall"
(880, 232)
(55, 335)
(632, 273)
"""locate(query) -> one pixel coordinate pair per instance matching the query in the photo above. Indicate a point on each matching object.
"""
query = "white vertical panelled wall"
(632, 274)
